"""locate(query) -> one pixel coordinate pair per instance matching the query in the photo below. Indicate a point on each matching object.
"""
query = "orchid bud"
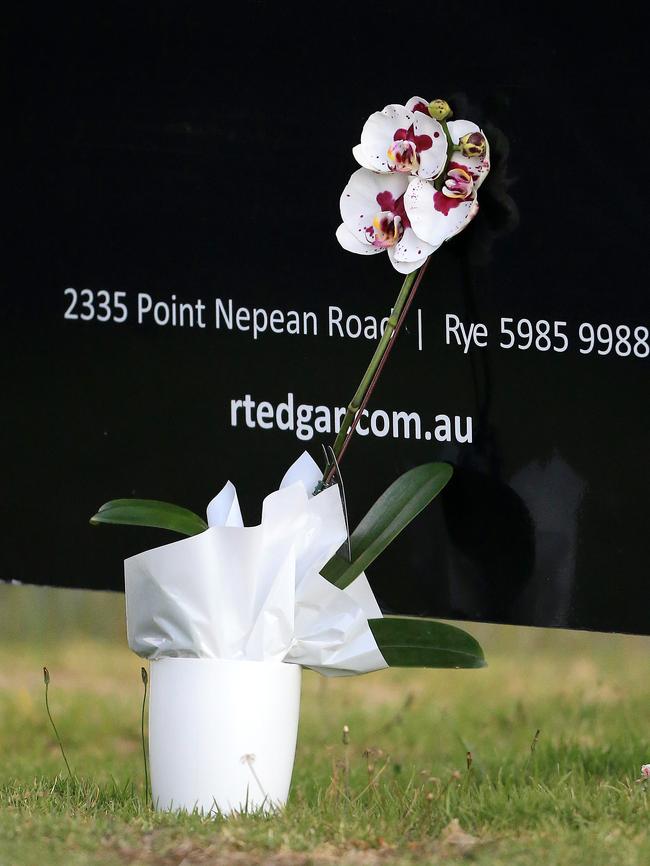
(440, 109)
(473, 144)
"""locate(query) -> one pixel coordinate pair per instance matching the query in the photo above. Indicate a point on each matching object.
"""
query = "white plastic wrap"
(256, 593)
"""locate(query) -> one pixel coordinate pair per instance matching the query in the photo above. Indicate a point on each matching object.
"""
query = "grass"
(569, 796)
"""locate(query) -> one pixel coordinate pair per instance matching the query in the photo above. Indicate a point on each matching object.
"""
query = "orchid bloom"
(418, 182)
(438, 214)
(404, 139)
(374, 219)
(645, 771)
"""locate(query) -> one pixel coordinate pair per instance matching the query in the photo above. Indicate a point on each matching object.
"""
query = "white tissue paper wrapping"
(256, 593)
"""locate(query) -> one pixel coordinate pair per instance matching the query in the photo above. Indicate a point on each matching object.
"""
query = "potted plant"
(230, 614)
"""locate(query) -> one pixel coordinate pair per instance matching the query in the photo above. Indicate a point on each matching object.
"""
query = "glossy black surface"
(165, 150)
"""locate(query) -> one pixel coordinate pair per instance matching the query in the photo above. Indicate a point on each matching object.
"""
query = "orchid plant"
(416, 188)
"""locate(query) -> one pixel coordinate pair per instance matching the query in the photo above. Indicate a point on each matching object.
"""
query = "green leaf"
(150, 512)
(407, 642)
(391, 513)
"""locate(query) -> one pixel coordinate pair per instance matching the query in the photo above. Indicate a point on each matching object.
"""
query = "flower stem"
(359, 394)
(371, 376)
(451, 147)
(145, 682)
(46, 677)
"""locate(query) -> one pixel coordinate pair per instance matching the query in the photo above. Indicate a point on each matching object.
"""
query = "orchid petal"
(360, 156)
(359, 203)
(428, 222)
(459, 128)
(404, 267)
(411, 248)
(417, 100)
(432, 160)
(377, 136)
(350, 243)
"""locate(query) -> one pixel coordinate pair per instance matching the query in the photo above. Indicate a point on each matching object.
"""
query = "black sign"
(177, 311)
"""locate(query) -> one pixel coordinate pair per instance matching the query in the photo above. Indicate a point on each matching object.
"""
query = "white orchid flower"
(374, 219)
(403, 139)
(438, 214)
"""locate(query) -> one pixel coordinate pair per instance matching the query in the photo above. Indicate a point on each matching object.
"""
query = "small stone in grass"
(454, 840)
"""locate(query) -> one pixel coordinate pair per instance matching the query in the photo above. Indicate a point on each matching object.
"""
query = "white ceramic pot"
(222, 734)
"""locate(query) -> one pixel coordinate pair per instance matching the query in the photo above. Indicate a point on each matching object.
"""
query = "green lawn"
(573, 799)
